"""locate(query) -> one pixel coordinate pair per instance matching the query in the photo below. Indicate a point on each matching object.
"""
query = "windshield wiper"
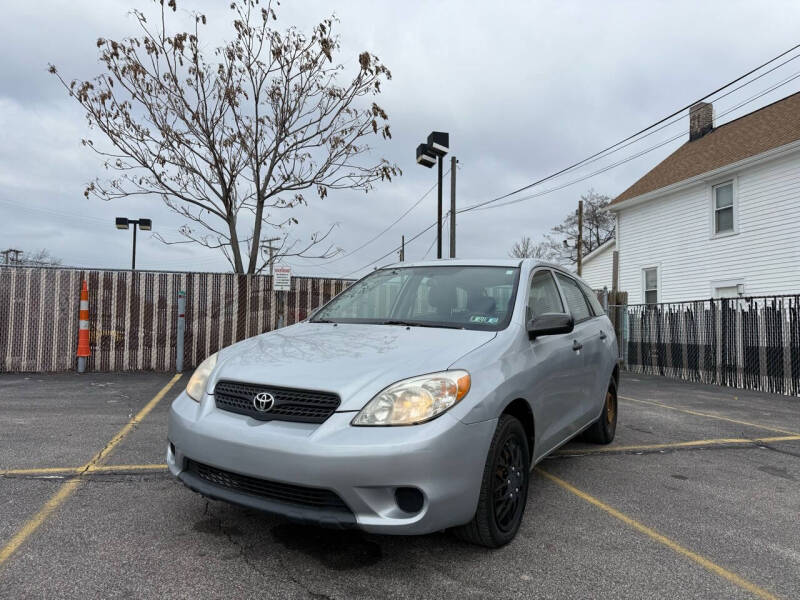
(421, 324)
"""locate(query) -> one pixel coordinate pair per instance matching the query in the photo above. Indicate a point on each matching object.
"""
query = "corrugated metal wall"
(133, 315)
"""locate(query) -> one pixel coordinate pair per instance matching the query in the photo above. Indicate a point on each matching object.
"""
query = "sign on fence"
(283, 279)
(133, 315)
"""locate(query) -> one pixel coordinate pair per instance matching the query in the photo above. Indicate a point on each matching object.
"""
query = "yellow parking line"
(92, 469)
(710, 416)
(690, 444)
(662, 539)
(41, 471)
(120, 468)
(70, 486)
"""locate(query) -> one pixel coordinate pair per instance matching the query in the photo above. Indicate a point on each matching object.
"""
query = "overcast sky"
(523, 88)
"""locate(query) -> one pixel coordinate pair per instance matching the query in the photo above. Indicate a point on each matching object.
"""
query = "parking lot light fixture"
(425, 156)
(431, 152)
(439, 142)
(143, 224)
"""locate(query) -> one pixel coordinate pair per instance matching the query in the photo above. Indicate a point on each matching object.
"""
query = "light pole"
(428, 154)
(143, 224)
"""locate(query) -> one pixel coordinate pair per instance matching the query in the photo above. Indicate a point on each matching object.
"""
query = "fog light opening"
(409, 499)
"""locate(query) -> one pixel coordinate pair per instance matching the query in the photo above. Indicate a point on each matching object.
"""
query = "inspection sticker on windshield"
(482, 319)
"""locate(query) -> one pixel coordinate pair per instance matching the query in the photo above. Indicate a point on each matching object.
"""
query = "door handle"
(603, 335)
(576, 345)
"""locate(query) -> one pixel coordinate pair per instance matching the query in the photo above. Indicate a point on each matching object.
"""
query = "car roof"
(476, 262)
(459, 262)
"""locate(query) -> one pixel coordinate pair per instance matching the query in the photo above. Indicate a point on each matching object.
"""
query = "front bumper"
(444, 459)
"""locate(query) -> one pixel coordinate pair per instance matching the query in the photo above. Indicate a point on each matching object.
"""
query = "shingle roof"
(769, 127)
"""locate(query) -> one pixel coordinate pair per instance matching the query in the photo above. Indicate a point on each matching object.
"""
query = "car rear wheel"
(602, 431)
(504, 488)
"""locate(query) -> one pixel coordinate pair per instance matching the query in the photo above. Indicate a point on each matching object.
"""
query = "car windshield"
(460, 297)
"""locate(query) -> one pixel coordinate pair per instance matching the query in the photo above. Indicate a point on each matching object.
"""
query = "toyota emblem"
(263, 402)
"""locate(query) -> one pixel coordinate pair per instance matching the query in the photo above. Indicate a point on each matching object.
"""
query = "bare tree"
(39, 258)
(527, 248)
(599, 226)
(233, 139)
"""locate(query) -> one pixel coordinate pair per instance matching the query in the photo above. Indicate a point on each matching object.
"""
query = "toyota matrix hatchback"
(417, 400)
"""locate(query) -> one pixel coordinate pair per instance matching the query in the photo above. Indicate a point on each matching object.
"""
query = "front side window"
(723, 207)
(575, 299)
(461, 297)
(543, 296)
(651, 286)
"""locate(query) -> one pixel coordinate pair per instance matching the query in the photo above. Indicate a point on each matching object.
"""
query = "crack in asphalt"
(780, 450)
(753, 444)
(243, 552)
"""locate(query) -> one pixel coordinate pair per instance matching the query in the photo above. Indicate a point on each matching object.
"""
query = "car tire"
(603, 430)
(504, 488)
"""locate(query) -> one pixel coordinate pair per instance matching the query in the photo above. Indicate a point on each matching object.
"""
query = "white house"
(716, 218)
(596, 267)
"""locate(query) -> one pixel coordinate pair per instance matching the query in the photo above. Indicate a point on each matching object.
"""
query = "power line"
(627, 159)
(53, 212)
(408, 241)
(433, 243)
(395, 222)
(632, 136)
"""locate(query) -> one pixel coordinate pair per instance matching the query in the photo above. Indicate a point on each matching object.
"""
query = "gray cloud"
(523, 88)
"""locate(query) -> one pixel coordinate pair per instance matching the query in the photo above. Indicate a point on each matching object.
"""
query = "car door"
(599, 352)
(581, 340)
(555, 390)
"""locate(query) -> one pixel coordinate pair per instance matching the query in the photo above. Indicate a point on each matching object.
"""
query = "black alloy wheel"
(504, 488)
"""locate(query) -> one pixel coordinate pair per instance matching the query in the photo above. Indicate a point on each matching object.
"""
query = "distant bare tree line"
(560, 244)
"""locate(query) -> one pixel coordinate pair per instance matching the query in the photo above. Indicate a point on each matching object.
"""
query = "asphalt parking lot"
(698, 497)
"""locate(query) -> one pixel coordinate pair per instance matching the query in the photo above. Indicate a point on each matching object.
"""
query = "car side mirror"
(550, 324)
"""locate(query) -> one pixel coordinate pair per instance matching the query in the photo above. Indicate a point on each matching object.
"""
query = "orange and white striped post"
(83, 329)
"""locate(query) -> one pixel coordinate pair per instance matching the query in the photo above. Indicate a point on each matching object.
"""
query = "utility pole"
(439, 218)
(271, 249)
(402, 248)
(453, 163)
(580, 237)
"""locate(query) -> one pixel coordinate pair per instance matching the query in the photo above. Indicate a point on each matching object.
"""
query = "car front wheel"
(504, 488)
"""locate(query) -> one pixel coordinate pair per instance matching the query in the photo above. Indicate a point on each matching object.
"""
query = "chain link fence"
(133, 315)
(751, 343)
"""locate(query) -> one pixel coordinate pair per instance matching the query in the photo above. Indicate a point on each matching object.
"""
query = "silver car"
(417, 400)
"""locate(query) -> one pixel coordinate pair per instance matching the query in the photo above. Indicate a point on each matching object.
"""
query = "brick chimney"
(701, 120)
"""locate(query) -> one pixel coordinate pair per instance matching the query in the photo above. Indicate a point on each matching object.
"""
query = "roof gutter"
(600, 249)
(708, 175)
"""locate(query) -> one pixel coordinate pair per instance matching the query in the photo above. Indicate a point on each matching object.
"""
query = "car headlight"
(196, 388)
(415, 400)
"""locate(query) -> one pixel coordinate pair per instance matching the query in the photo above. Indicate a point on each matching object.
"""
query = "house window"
(651, 285)
(723, 207)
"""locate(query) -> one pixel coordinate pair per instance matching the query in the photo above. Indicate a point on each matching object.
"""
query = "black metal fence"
(751, 343)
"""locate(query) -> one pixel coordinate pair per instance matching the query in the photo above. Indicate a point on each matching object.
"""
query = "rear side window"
(543, 296)
(575, 298)
(597, 308)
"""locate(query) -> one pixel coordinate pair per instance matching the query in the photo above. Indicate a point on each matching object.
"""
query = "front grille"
(273, 490)
(303, 406)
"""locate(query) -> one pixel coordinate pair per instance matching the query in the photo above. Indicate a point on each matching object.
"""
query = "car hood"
(355, 361)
